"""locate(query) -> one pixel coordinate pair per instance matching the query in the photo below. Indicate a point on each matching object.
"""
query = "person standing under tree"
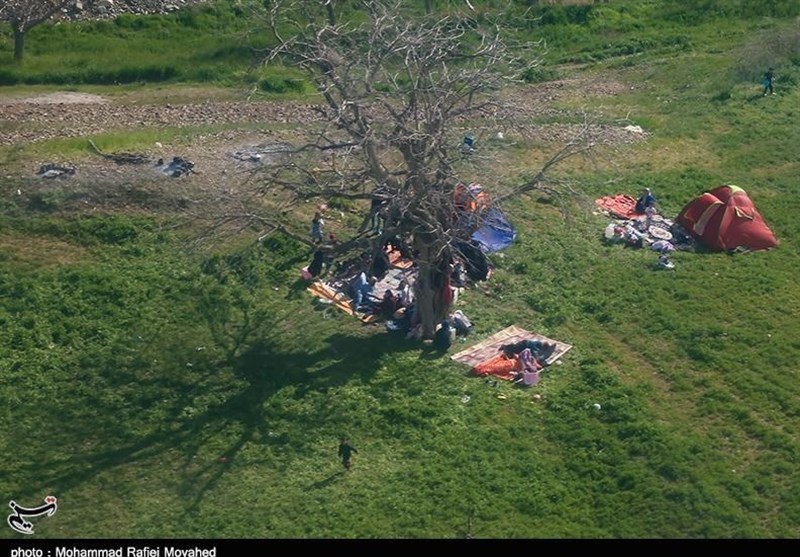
(317, 225)
(769, 78)
(346, 451)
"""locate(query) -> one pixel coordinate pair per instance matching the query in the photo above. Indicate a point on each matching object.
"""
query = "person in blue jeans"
(362, 290)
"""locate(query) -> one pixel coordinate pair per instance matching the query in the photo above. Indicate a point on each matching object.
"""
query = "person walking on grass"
(769, 78)
(346, 451)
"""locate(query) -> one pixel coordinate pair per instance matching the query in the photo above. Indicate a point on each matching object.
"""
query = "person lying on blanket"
(540, 350)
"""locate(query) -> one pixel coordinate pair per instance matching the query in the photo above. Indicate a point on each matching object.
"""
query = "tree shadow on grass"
(263, 368)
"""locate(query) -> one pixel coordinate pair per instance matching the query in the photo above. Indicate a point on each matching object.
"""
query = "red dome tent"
(725, 219)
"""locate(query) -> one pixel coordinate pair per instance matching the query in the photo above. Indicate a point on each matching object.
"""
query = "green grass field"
(159, 391)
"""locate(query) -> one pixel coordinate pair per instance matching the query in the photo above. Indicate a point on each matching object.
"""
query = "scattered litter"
(596, 406)
(50, 171)
(501, 396)
(633, 129)
(263, 154)
(465, 399)
(664, 262)
(178, 167)
(537, 397)
(199, 348)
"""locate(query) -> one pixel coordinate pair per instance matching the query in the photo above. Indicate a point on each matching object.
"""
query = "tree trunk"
(430, 303)
(428, 7)
(19, 44)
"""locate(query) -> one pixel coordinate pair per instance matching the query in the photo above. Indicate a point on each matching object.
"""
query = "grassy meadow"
(168, 392)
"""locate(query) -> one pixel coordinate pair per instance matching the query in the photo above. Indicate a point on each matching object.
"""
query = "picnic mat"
(392, 279)
(337, 299)
(620, 206)
(489, 348)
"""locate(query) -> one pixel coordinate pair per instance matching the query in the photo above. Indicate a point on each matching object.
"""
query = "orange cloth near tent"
(500, 366)
(621, 206)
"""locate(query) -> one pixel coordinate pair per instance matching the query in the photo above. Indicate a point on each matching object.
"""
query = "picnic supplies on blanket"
(488, 358)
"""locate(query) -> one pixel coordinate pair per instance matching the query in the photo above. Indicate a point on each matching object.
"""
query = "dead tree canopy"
(22, 15)
(396, 90)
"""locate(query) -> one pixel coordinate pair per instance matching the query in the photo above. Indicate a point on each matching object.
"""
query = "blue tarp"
(496, 233)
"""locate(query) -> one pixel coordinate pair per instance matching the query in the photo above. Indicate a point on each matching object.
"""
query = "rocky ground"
(109, 9)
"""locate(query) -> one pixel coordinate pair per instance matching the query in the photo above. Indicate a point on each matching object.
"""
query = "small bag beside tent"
(724, 219)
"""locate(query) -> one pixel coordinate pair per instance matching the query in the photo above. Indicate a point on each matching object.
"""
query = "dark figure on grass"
(769, 78)
(646, 201)
(346, 451)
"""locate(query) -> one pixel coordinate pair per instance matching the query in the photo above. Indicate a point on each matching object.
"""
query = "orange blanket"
(620, 206)
(500, 366)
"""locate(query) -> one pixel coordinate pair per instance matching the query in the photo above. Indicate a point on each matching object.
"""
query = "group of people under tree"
(468, 262)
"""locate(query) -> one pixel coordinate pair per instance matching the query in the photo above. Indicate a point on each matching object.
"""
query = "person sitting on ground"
(362, 290)
(646, 201)
(404, 294)
(444, 336)
(389, 305)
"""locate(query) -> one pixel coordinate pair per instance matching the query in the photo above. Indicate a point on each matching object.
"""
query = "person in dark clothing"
(443, 337)
(380, 264)
(315, 268)
(346, 451)
(389, 305)
(769, 78)
(475, 261)
(646, 201)
(540, 350)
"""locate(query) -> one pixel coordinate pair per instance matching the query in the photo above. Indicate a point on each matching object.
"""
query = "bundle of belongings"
(722, 219)
(637, 224)
(513, 354)
(521, 361)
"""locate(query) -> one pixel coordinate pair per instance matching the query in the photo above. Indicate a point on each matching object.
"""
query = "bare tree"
(22, 15)
(396, 90)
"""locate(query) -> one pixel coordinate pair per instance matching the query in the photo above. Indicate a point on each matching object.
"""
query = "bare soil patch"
(219, 170)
